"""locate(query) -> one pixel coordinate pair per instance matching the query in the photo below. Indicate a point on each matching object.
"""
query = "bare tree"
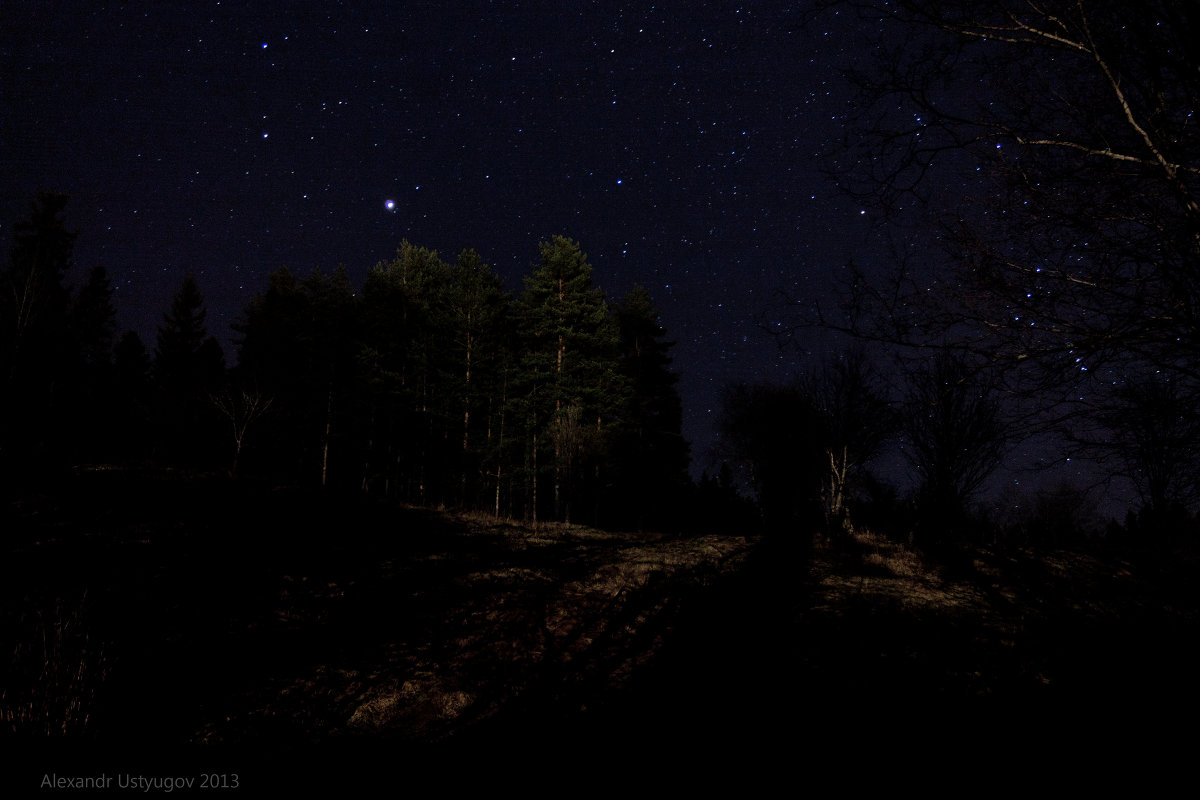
(1157, 429)
(775, 435)
(240, 407)
(1053, 151)
(956, 438)
(1068, 131)
(856, 419)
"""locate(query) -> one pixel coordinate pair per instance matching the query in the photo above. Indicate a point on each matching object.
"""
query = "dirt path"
(233, 619)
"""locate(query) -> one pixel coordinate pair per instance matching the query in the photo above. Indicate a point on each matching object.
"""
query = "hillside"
(153, 613)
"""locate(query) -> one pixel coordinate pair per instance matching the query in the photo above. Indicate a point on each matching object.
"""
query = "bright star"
(390, 205)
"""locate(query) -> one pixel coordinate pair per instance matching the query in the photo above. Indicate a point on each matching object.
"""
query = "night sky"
(686, 146)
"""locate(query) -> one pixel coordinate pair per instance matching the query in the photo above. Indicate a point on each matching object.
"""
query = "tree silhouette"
(1156, 433)
(476, 310)
(570, 352)
(956, 438)
(1071, 237)
(650, 455)
(406, 350)
(92, 321)
(188, 367)
(776, 434)
(184, 361)
(240, 407)
(856, 419)
(133, 397)
(434, 385)
(34, 302)
(35, 342)
(299, 343)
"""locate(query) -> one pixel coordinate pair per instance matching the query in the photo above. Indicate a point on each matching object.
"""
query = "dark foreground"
(155, 626)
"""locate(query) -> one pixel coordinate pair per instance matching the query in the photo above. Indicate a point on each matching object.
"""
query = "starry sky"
(687, 146)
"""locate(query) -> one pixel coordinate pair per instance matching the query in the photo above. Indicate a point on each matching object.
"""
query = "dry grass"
(497, 614)
(56, 670)
(886, 571)
(318, 622)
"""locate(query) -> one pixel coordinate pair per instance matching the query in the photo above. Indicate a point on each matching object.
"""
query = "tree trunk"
(839, 467)
(325, 443)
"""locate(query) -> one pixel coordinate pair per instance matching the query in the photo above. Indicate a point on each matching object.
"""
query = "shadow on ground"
(153, 617)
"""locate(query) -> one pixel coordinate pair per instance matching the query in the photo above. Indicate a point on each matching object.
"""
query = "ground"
(154, 615)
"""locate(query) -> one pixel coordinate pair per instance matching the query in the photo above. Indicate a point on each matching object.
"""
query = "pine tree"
(405, 355)
(335, 342)
(570, 370)
(477, 309)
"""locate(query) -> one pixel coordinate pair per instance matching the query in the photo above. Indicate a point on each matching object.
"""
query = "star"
(390, 205)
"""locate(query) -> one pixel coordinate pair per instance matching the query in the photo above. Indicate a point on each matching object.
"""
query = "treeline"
(435, 385)
(430, 383)
(809, 451)
(807, 448)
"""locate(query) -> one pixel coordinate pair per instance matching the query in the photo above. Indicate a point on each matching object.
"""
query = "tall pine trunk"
(325, 443)
(535, 477)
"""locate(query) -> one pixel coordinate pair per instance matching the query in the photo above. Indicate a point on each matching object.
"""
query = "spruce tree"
(93, 319)
(188, 367)
(650, 456)
(183, 363)
(299, 343)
